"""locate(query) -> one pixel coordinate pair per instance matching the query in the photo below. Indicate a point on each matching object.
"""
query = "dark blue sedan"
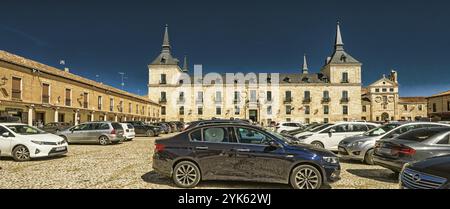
(243, 153)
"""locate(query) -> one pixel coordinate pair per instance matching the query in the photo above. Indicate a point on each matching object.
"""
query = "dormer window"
(269, 79)
(305, 79)
(181, 82)
(163, 60)
(286, 79)
(344, 58)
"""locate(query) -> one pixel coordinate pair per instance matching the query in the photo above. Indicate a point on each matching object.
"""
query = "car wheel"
(368, 158)
(306, 177)
(149, 133)
(103, 140)
(318, 144)
(21, 153)
(186, 174)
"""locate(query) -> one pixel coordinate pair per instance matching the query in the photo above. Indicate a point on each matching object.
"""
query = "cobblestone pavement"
(128, 165)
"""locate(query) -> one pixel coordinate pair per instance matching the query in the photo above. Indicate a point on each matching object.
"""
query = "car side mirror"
(6, 134)
(330, 133)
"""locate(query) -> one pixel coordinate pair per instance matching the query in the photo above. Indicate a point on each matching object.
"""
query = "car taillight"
(113, 131)
(403, 150)
(159, 147)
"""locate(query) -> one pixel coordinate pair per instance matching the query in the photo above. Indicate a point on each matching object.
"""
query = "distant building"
(39, 94)
(439, 106)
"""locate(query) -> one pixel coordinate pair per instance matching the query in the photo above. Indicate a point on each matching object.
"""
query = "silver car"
(103, 133)
(361, 147)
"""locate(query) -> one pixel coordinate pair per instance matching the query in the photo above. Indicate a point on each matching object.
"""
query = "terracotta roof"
(21, 61)
(445, 93)
(412, 100)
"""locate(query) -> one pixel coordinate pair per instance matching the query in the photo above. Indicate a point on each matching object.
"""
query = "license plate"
(60, 149)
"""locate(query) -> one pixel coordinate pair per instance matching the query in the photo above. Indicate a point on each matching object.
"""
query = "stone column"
(76, 118)
(124, 118)
(56, 115)
(105, 117)
(30, 116)
(115, 118)
(92, 116)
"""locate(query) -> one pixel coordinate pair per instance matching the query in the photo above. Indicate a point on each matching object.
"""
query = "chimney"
(393, 76)
(66, 69)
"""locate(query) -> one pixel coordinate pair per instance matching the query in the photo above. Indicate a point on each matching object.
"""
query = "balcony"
(162, 100)
(344, 100)
(287, 100)
(326, 100)
(344, 81)
(163, 82)
(307, 100)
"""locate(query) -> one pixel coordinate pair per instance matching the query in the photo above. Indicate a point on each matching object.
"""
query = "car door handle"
(201, 148)
(243, 150)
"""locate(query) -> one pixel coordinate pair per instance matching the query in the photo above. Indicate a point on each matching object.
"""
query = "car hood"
(438, 166)
(42, 137)
(304, 134)
(309, 147)
(359, 137)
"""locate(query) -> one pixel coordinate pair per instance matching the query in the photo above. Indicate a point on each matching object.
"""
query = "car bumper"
(352, 153)
(332, 173)
(162, 165)
(130, 136)
(392, 164)
(47, 151)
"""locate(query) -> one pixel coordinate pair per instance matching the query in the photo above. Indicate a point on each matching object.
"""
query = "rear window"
(420, 135)
(116, 126)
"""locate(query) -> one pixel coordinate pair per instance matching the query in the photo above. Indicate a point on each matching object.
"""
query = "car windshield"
(381, 130)
(25, 130)
(318, 128)
(420, 135)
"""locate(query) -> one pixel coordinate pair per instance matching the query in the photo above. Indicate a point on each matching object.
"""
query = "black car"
(142, 129)
(242, 152)
(214, 121)
(432, 173)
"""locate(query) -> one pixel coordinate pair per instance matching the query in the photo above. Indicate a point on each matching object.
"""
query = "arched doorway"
(385, 116)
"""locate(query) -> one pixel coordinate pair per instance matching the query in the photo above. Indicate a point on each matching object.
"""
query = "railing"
(287, 100)
(326, 99)
(344, 100)
(307, 100)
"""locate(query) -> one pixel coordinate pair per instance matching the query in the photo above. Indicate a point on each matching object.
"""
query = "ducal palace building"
(335, 93)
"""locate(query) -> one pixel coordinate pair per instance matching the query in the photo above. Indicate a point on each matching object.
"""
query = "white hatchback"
(283, 127)
(328, 136)
(23, 142)
(128, 131)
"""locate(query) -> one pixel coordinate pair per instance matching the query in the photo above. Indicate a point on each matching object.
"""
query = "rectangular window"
(137, 109)
(420, 107)
(448, 105)
(434, 107)
(68, 97)
(345, 94)
(307, 121)
(288, 109)
(325, 120)
(307, 96)
(163, 97)
(121, 106)
(100, 102)
(163, 110)
(236, 97)
(237, 110)
(181, 110)
(111, 104)
(391, 89)
(326, 94)
(218, 111)
(288, 96)
(130, 107)
(377, 90)
(218, 98)
(85, 100)
(269, 96)
(200, 96)
(253, 96)
(345, 110)
(16, 88)
(269, 110)
(384, 90)
(405, 107)
(45, 93)
(200, 111)
(344, 77)
(307, 110)
(163, 79)
(364, 108)
(326, 109)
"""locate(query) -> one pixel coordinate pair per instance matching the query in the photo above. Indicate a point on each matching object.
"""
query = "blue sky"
(106, 37)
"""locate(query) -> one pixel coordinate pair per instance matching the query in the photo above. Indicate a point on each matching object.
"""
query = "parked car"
(360, 147)
(103, 133)
(414, 145)
(128, 131)
(179, 125)
(304, 129)
(328, 136)
(215, 121)
(235, 151)
(164, 127)
(284, 127)
(142, 129)
(432, 173)
(23, 142)
(55, 127)
(10, 119)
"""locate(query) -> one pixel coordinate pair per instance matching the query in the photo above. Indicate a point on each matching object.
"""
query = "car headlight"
(37, 142)
(356, 144)
(332, 160)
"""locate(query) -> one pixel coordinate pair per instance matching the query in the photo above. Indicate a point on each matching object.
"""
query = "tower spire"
(185, 64)
(166, 42)
(305, 65)
(339, 45)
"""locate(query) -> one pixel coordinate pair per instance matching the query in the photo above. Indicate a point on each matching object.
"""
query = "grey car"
(415, 145)
(361, 147)
(102, 133)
